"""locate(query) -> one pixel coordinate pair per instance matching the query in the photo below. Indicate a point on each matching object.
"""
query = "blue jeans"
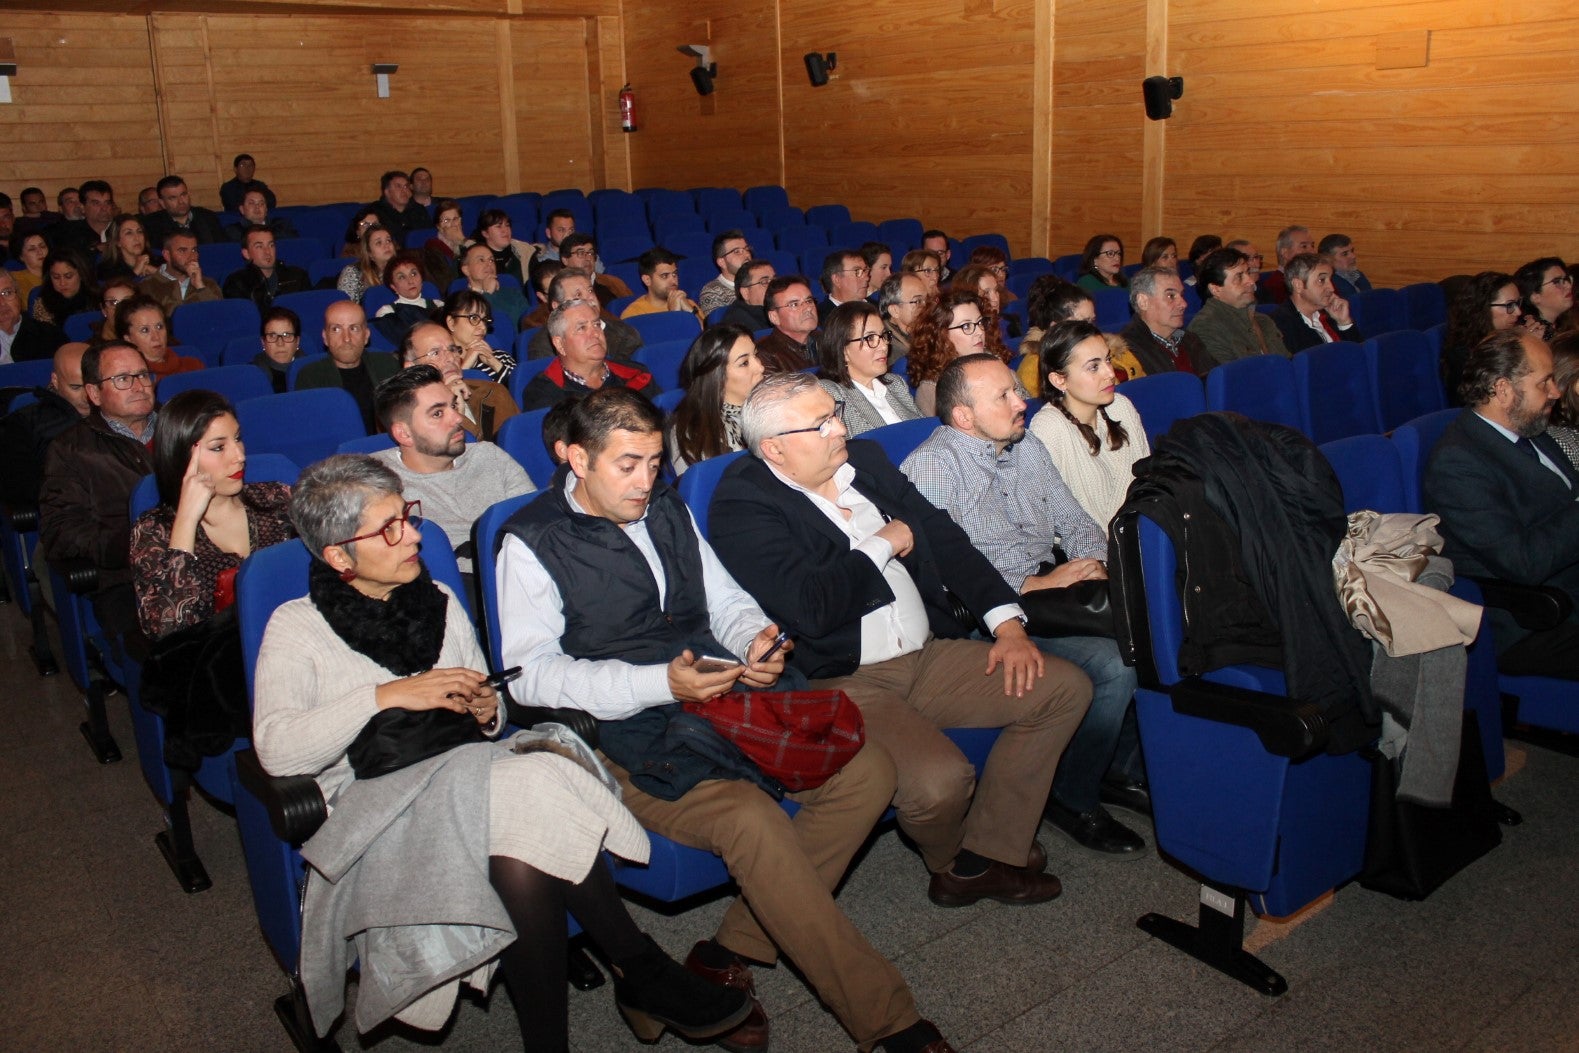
(1106, 740)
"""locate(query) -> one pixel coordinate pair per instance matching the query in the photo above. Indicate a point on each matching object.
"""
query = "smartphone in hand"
(710, 664)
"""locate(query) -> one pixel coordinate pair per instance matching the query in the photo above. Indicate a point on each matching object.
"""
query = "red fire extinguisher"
(627, 109)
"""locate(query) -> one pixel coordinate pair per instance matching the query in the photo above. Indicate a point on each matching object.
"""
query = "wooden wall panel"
(1099, 60)
(929, 113)
(729, 138)
(1463, 164)
(64, 126)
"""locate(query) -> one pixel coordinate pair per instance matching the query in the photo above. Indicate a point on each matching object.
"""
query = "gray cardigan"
(859, 413)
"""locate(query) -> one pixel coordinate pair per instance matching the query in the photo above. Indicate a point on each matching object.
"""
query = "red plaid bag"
(800, 738)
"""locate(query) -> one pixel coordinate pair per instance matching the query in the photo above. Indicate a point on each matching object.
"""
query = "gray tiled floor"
(103, 952)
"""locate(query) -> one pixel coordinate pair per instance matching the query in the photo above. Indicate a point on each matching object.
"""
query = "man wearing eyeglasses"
(581, 252)
(581, 363)
(844, 553)
(792, 311)
(621, 339)
(730, 251)
(843, 278)
(935, 241)
(483, 405)
(455, 480)
(899, 302)
(264, 277)
(89, 475)
(751, 289)
(23, 337)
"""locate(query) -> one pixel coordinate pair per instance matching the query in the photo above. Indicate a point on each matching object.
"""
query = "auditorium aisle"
(103, 952)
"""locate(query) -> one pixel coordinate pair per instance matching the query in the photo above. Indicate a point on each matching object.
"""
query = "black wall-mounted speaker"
(1159, 93)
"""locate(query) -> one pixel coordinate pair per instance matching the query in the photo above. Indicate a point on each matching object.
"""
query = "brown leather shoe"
(752, 1035)
(1036, 859)
(1000, 881)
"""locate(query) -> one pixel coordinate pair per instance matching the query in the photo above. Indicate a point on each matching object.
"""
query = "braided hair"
(1057, 347)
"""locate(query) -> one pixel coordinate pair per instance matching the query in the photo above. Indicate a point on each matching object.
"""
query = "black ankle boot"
(653, 992)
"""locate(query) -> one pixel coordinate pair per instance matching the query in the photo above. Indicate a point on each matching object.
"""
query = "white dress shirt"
(532, 621)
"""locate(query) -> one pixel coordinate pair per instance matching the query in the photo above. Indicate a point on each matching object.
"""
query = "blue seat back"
(82, 326)
(663, 359)
(34, 373)
(902, 234)
(1370, 471)
(236, 383)
(898, 440)
(1337, 391)
(827, 215)
(1426, 304)
(666, 325)
(1415, 440)
(1261, 388)
(730, 219)
(1112, 309)
(760, 199)
(522, 438)
(305, 426)
(367, 444)
(485, 562)
(525, 368)
(975, 241)
(1405, 374)
(299, 252)
(215, 321)
(800, 239)
(777, 219)
(220, 260)
(1162, 398)
(1381, 311)
(852, 235)
(696, 486)
(309, 307)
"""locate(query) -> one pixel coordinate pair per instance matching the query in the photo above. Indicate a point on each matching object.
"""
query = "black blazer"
(800, 567)
(1297, 336)
(1504, 514)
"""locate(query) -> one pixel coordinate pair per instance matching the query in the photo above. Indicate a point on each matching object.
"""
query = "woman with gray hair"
(853, 348)
(371, 684)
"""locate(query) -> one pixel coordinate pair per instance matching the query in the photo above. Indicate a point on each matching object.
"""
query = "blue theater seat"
(1162, 398)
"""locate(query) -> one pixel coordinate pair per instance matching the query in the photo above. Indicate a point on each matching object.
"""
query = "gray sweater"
(482, 476)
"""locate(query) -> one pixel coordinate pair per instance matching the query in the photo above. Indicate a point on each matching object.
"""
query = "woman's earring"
(348, 575)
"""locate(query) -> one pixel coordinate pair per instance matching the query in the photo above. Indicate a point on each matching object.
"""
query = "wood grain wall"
(1460, 165)
(490, 104)
(1021, 116)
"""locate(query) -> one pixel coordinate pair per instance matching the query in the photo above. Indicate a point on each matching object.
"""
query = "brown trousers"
(787, 870)
(907, 700)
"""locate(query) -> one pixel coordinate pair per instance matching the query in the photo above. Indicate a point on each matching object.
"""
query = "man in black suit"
(87, 234)
(1314, 313)
(264, 277)
(844, 280)
(1505, 493)
(179, 214)
(847, 556)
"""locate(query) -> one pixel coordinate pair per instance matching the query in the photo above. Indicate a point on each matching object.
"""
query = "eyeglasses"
(859, 272)
(124, 381)
(926, 270)
(7, 293)
(395, 529)
(478, 319)
(586, 251)
(113, 303)
(1511, 306)
(281, 338)
(792, 305)
(454, 349)
(999, 269)
(1114, 253)
(969, 326)
(737, 250)
(824, 427)
(759, 281)
(871, 340)
(1560, 280)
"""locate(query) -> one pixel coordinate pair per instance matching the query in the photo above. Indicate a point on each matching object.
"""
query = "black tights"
(534, 965)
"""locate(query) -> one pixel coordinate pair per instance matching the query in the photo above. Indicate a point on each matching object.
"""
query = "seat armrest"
(23, 518)
(1286, 727)
(1534, 607)
(80, 575)
(580, 721)
(294, 802)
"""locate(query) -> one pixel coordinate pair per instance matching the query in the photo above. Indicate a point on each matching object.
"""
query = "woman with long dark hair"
(375, 249)
(1487, 303)
(68, 288)
(185, 551)
(1093, 433)
(1163, 252)
(854, 349)
(719, 371)
(127, 254)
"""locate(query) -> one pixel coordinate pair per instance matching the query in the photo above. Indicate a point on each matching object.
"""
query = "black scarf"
(403, 633)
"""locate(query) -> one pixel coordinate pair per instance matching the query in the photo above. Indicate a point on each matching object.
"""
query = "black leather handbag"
(397, 738)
